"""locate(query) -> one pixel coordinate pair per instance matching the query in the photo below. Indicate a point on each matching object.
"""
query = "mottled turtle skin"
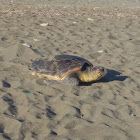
(67, 69)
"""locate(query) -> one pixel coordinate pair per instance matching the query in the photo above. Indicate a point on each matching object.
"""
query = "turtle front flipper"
(67, 81)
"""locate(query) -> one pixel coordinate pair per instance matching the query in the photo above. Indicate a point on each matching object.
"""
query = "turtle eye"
(102, 69)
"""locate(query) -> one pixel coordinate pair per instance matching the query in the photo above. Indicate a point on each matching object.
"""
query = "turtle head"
(97, 73)
(92, 73)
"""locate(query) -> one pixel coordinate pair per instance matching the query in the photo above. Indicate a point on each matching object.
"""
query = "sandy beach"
(107, 36)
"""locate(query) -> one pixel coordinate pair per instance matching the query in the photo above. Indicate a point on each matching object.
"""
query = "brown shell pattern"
(60, 65)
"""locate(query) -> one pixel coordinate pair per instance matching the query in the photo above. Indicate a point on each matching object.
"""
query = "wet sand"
(106, 110)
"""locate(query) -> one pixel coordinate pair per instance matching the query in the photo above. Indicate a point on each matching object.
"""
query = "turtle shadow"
(112, 75)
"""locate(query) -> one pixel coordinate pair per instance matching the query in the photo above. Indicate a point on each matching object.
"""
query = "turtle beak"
(103, 70)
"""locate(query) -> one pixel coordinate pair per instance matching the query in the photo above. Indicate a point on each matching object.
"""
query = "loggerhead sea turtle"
(68, 70)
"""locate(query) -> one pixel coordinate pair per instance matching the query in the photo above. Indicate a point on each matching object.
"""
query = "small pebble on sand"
(101, 51)
(90, 19)
(44, 24)
(27, 45)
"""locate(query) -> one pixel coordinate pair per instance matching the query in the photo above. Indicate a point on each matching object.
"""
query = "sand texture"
(77, 3)
(106, 110)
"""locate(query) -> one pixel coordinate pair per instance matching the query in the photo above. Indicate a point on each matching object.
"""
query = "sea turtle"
(67, 69)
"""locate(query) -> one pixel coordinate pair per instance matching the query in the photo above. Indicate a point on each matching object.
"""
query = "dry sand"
(106, 110)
